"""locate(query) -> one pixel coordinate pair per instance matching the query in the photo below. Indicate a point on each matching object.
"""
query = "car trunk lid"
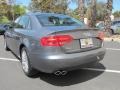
(83, 40)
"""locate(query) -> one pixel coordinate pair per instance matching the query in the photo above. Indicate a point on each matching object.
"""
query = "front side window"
(51, 20)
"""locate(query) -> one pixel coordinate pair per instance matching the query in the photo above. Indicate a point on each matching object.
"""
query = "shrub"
(4, 19)
(118, 30)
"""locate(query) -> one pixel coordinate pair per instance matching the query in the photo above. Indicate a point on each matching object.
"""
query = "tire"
(26, 66)
(5, 45)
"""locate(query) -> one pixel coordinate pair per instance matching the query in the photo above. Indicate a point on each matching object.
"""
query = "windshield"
(51, 20)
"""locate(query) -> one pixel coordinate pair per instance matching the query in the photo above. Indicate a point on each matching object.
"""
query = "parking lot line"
(114, 49)
(102, 70)
(9, 59)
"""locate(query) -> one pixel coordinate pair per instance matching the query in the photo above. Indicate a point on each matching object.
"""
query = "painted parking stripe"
(114, 49)
(9, 59)
(103, 70)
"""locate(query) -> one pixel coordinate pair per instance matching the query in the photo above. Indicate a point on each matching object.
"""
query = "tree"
(81, 9)
(74, 13)
(19, 10)
(7, 10)
(117, 14)
(4, 19)
(94, 13)
(91, 11)
(4, 8)
(4, 11)
(101, 10)
(57, 6)
(108, 13)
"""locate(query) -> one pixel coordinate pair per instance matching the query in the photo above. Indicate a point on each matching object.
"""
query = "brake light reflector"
(57, 40)
(101, 35)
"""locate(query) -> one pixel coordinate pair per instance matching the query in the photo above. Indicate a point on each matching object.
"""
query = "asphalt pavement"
(102, 76)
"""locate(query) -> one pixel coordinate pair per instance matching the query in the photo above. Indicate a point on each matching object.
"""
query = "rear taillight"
(57, 40)
(101, 35)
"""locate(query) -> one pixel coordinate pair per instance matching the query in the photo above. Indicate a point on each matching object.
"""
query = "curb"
(112, 39)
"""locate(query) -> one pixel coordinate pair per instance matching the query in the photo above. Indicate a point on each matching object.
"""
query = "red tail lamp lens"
(58, 40)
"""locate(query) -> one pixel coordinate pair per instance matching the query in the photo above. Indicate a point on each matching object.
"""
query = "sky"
(116, 4)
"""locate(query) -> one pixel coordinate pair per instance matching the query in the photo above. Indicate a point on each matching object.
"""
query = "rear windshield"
(51, 20)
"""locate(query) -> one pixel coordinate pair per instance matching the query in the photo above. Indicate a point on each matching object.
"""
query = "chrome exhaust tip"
(57, 73)
(64, 72)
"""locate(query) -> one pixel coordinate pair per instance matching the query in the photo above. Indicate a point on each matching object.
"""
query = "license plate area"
(86, 43)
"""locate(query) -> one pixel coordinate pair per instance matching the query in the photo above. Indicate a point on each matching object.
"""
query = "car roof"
(46, 14)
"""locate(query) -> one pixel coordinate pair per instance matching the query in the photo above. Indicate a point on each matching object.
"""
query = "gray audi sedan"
(53, 43)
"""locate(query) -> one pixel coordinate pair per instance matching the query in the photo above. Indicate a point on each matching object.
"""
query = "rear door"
(9, 35)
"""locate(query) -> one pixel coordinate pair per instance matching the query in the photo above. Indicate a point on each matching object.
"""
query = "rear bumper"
(52, 63)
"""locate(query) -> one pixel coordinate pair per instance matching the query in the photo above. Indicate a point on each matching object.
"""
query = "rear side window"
(17, 20)
(23, 22)
(51, 20)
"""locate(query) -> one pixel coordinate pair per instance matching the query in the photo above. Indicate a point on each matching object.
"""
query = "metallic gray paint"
(50, 59)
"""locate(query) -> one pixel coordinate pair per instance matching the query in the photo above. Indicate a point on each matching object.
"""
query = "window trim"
(29, 26)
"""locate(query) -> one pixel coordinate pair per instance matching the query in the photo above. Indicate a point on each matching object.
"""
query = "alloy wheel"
(25, 65)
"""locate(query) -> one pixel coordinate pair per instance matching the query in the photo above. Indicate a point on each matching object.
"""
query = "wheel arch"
(20, 48)
(112, 31)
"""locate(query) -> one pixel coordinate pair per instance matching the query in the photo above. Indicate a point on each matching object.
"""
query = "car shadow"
(72, 78)
(15, 55)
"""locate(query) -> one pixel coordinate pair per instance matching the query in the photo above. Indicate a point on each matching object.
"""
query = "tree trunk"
(107, 19)
(93, 13)
(81, 9)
